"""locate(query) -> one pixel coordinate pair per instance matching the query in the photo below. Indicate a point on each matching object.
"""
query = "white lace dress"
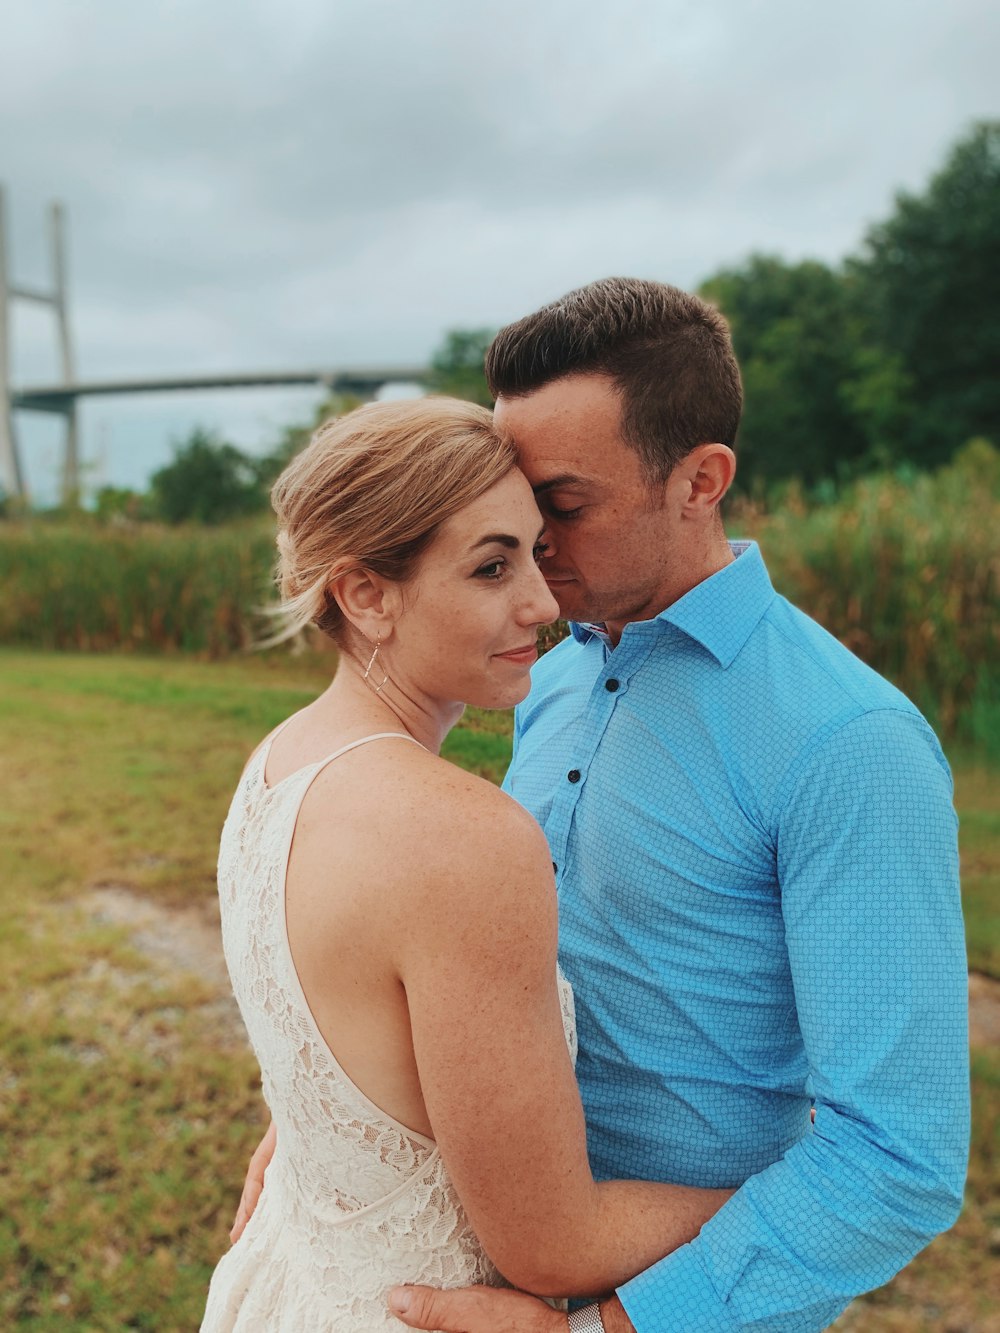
(354, 1202)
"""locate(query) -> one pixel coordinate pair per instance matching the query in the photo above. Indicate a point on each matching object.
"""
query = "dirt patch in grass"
(187, 939)
(178, 940)
(984, 1010)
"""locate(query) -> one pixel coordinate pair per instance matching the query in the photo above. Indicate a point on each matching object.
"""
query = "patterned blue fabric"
(756, 855)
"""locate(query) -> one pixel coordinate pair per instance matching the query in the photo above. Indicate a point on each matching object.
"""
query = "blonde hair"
(370, 491)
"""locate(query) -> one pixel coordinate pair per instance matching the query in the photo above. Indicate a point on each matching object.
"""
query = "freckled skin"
(470, 605)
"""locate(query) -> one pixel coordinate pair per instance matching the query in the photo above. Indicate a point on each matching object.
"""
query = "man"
(754, 844)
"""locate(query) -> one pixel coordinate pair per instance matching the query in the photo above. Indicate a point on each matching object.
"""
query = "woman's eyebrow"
(502, 538)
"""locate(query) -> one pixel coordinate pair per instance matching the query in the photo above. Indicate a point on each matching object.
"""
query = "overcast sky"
(259, 185)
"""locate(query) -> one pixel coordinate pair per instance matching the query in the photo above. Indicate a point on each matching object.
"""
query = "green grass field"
(128, 1107)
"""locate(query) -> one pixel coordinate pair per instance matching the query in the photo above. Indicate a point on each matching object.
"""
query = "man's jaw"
(555, 580)
(561, 586)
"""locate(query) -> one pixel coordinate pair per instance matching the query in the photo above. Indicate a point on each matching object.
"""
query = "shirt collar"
(720, 613)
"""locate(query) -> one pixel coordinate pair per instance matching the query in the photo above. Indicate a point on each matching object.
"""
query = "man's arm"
(868, 867)
(491, 1310)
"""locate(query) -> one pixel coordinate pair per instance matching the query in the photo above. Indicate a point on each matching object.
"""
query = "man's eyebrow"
(553, 483)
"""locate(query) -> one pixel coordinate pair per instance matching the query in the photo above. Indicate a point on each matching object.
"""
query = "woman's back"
(355, 1201)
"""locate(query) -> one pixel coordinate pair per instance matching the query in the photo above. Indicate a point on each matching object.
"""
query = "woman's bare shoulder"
(264, 741)
(461, 806)
(428, 820)
(467, 869)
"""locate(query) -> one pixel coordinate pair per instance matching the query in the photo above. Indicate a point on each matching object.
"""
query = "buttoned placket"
(609, 688)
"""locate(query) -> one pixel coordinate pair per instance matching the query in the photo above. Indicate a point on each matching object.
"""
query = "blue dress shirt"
(755, 848)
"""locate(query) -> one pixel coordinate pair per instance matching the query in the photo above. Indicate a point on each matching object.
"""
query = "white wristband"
(586, 1320)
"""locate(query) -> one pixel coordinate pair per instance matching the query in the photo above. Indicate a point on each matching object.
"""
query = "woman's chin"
(501, 697)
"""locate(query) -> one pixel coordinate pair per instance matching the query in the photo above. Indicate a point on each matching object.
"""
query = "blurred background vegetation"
(869, 472)
(869, 469)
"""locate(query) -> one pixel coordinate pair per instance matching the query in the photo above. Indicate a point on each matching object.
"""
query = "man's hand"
(474, 1310)
(254, 1182)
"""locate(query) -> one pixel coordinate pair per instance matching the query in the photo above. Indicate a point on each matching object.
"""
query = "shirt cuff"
(676, 1294)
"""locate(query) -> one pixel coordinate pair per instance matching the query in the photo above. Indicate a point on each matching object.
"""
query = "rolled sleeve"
(677, 1294)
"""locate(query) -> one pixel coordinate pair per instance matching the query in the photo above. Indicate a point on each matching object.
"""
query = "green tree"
(928, 289)
(795, 337)
(457, 366)
(208, 481)
(120, 503)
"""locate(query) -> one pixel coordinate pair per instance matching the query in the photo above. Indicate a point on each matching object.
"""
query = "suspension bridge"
(61, 396)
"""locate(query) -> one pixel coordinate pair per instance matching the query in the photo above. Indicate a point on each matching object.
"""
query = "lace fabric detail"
(354, 1202)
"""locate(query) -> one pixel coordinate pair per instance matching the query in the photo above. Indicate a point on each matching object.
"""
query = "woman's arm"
(478, 962)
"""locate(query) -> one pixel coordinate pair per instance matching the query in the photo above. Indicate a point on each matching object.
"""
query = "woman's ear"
(370, 602)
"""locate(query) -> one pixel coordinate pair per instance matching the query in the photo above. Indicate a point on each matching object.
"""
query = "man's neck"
(716, 556)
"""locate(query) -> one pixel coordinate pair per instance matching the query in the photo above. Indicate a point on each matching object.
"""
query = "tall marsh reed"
(905, 570)
(93, 588)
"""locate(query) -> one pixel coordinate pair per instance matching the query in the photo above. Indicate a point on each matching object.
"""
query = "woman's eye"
(494, 570)
(540, 550)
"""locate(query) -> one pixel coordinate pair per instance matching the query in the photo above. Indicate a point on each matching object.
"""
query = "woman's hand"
(254, 1182)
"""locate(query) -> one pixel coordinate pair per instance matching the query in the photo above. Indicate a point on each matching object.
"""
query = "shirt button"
(574, 775)
(611, 685)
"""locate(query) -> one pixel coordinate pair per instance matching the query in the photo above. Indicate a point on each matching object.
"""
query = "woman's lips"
(521, 656)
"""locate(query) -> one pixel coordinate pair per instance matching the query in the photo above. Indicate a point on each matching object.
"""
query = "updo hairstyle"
(370, 491)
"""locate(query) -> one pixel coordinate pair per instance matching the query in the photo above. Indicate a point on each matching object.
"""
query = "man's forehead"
(553, 464)
(565, 433)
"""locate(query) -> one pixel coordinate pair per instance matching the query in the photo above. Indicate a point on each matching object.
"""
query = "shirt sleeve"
(867, 863)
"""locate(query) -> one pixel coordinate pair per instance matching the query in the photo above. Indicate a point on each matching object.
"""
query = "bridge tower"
(11, 473)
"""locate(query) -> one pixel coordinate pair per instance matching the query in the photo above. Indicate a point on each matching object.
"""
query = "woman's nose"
(541, 607)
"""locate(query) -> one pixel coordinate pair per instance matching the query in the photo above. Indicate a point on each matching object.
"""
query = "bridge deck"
(361, 380)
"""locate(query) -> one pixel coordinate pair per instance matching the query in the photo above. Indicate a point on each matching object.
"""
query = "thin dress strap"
(353, 745)
(264, 753)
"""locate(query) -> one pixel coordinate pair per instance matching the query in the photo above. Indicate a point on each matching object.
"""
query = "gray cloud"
(258, 184)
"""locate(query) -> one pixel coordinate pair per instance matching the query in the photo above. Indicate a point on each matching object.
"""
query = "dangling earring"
(371, 662)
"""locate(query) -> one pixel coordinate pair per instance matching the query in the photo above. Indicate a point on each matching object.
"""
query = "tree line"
(886, 361)
(889, 359)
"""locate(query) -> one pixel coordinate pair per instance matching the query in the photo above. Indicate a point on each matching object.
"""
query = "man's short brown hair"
(668, 353)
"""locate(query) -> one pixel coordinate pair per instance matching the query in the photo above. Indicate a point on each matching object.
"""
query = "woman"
(390, 921)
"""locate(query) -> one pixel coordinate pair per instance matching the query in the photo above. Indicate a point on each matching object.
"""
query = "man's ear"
(370, 602)
(708, 471)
